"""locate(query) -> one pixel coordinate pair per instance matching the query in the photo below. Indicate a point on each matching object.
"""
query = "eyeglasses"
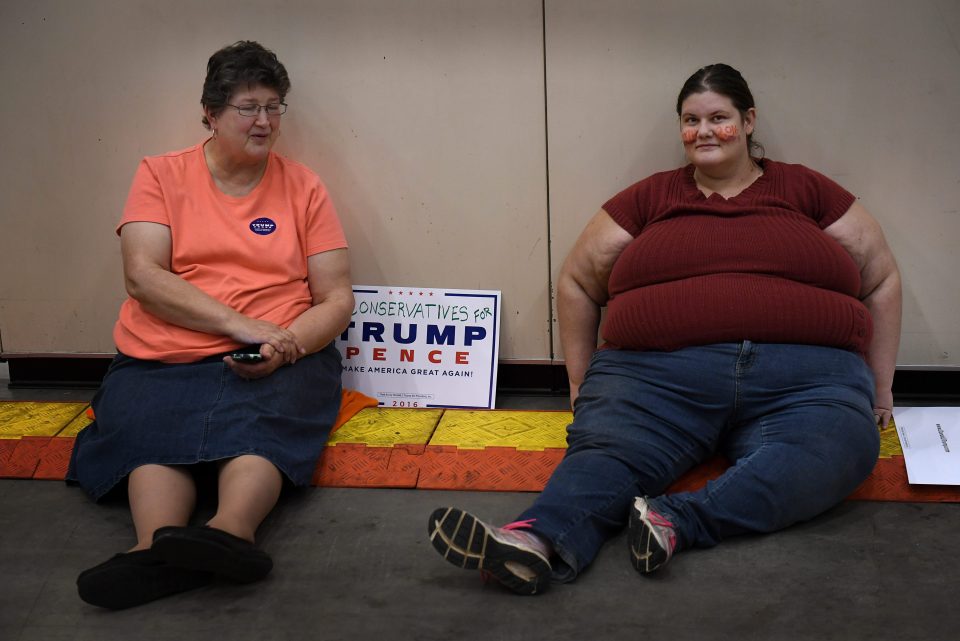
(250, 111)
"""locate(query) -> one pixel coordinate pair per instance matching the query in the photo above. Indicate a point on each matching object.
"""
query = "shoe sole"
(468, 543)
(122, 587)
(212, 556)
(646, 555)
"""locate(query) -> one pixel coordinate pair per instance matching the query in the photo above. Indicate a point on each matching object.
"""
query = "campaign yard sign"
(423, 347)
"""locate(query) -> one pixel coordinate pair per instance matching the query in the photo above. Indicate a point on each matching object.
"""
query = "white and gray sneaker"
(517, 559)
(651, 538)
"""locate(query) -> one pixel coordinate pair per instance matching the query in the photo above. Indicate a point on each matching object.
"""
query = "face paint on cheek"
(688, 135)
(726, 132)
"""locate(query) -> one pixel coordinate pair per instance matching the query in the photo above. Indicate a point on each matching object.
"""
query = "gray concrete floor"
(356, 564)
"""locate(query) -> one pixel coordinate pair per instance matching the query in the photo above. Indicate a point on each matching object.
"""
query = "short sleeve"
(145, 202)
(324, 231)
(642, 202)
(625, 207)
(822, 198)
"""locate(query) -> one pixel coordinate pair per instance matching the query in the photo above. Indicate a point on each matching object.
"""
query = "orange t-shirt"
(249, 253)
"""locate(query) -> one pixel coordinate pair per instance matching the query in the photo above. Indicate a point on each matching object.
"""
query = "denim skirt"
(148, 412)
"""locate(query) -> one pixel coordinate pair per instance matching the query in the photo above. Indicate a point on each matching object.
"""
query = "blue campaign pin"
(263, 226)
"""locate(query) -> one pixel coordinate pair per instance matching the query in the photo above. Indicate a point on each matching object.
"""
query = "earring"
(214, 133)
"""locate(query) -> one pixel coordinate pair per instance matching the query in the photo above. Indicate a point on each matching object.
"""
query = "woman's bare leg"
(249, 487)
(159, 495)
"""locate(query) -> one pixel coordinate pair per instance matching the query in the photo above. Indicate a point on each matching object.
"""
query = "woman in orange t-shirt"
(238, 279)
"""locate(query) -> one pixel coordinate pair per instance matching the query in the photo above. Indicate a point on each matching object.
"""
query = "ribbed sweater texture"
(758, 266)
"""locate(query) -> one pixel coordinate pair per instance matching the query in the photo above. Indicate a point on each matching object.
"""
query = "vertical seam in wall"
(546, 156)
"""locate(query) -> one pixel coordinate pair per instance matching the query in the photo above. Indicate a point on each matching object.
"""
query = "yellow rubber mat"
(374, 427)
(380, 427)
(476, 430)
(890, 442)
(18, 419)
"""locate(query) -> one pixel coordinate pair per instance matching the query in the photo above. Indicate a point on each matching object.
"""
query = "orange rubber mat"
(492, 450)
(504, 469)
(36, 438)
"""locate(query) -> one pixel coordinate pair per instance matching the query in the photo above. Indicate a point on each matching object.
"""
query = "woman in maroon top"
(753, 310)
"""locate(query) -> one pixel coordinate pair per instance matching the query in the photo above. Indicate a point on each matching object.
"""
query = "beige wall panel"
(865, 92)
(425, 119)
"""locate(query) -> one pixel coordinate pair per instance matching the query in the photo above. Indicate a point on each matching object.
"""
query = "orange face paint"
(723, 133)
(726, 132)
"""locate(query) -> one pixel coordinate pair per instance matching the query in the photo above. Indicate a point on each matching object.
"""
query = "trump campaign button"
(263, 226)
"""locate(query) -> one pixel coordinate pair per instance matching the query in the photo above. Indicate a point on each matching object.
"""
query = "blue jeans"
(795, 421)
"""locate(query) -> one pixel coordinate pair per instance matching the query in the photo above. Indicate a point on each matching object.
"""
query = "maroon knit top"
(755, 267)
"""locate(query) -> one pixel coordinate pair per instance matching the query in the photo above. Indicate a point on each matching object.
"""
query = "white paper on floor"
(930, 438)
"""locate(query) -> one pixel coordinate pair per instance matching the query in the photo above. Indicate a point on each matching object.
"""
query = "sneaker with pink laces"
(651, 537)
(516, 558)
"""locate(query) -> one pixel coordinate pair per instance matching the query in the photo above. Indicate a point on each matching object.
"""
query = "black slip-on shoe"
(211, 550)
(135, 578)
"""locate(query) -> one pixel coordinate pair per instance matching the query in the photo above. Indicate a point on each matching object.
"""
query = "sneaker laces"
(532, 539)
(486, 576)
(657, 519)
